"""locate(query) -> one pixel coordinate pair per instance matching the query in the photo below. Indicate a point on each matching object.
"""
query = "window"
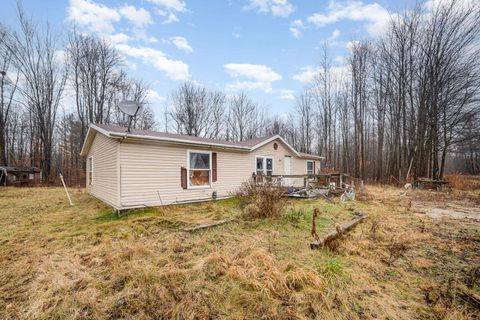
(90, 171)
(310, 167)
(31, 176)
(264, 165)
(199, 169)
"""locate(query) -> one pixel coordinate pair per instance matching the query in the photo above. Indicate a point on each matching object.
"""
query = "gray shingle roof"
(246, 144)
(150, 133)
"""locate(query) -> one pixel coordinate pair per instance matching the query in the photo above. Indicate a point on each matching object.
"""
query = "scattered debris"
(431, 184)
(348, 194)
(340, 230)
(309, 193)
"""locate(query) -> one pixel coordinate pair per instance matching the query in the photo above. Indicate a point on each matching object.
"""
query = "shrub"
(260, 201)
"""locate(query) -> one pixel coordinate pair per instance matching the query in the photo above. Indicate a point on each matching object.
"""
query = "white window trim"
(265, 164)
(313, 166)
(90, 164)
(209, 186)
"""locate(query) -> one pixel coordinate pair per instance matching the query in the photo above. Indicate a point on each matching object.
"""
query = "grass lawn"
(85, 262)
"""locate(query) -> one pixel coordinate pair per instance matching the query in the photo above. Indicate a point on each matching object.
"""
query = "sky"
(268, 48)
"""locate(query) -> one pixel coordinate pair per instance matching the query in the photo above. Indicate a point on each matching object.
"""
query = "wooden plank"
(66, 191)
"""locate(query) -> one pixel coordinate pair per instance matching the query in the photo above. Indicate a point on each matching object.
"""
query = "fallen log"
(340, 230)
(208, 225)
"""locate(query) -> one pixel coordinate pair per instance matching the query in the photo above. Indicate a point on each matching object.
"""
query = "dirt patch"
(453, 209)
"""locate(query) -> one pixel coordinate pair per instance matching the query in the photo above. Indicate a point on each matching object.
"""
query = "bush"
(260, 201)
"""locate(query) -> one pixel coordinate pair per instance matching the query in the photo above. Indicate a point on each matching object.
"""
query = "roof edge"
(88, 141)
(116, 135)
(175, 140)
(277, 136)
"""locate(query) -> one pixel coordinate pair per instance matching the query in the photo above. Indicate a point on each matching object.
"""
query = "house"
(20, 176)
(147, 168)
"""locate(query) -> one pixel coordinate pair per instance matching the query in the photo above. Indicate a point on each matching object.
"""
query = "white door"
(287, 169)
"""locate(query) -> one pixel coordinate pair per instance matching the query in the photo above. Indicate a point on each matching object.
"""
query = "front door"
(287, 169)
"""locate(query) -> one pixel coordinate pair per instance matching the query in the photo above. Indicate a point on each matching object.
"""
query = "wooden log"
(340, 230)
(209, 225)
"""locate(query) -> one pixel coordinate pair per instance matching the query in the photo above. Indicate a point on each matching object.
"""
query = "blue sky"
(268, 48)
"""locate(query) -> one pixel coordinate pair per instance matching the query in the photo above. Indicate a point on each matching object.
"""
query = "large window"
(264, 165)
(199, 168)
(310, 167)
(90, 170)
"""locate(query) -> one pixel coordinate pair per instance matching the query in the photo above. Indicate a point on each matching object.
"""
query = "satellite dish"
(131, 109)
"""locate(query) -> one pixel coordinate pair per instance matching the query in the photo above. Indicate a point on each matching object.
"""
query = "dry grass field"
(85, 262)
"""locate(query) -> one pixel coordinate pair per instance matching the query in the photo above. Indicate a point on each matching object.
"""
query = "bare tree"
(95, 76)
(34, 53)
(246, 119)
(8, 88)
(197, 111)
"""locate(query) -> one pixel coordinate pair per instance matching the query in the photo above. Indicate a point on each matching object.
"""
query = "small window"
(275, 146)
(199, 169)
(90, 171)
(310, 167)
(264, 165)
(31, 176)
(260, 167)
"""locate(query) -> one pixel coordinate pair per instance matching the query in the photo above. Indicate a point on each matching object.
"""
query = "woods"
(403, 105)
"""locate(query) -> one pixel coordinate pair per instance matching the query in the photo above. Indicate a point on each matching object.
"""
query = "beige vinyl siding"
(150, 174)
(298, 165)
(105, 171)
(149, 171)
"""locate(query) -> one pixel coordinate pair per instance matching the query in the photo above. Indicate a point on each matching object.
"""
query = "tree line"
(402, 106)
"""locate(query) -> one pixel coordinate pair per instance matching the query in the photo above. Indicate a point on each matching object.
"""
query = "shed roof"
(19, 169)
(121, 132)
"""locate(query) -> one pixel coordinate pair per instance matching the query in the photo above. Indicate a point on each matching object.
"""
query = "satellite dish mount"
(131, 109)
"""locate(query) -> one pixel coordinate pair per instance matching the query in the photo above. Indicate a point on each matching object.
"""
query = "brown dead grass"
(463, 182)
(83, 262)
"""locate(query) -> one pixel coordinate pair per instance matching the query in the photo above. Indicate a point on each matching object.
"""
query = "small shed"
(20, 176)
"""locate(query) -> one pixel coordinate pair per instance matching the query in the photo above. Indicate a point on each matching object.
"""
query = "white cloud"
(139, 17)
(181, 43)
(154, 97)
(332, 40)
(166, 8)
(309, 74)
(376, 16)
(173, 69)
(170, 19)
(287, 94)
(93, 16)
(296, 28)
(278, 8)
(335, 34)
(251, 76)
(118, 38)
(172, 5)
